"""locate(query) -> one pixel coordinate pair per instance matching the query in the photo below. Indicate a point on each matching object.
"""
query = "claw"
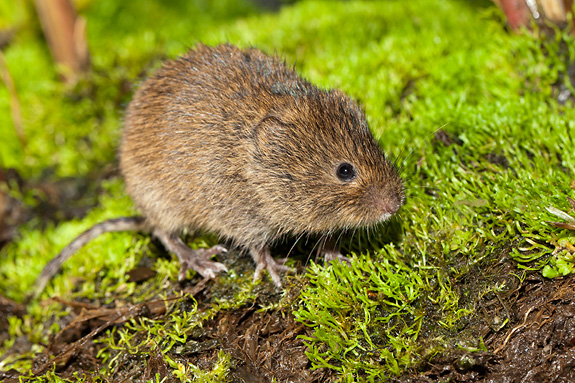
(264, 260)
(198, 260)
(334, 256)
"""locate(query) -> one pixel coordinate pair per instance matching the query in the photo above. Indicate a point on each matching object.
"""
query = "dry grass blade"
(563, 225)
(561, 214)
(571, 202)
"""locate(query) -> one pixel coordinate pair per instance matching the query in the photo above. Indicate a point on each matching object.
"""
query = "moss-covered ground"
(469, 282)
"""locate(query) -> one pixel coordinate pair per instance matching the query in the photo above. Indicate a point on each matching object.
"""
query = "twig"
(66, 36)
(514, 331)
(14, 102)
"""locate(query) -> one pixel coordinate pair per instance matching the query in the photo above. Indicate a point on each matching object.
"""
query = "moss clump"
(364, 317)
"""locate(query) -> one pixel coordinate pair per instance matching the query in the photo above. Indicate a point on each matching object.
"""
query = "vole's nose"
(388, 207)
(384, 202)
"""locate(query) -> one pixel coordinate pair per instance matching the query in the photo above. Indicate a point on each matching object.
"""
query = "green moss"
(363, 316)
(75, 131)
(26, 257)
(171, 336)
(477, 195)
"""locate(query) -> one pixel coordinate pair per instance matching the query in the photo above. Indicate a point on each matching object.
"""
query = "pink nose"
(388, 205)
(385, 203)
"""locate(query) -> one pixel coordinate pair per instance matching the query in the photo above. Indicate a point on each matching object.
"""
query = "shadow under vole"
(235, 143)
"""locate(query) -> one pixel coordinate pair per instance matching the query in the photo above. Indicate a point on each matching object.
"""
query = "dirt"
(537, 344)
(446, 139)
(12, 211)
(8, 308)
(48, 200)
(263, 345)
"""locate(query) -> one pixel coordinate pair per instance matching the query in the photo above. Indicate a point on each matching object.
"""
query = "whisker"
(317, 245)
(294, 245)
(401, 167)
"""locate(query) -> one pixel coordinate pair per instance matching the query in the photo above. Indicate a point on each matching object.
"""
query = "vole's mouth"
(388, 212)
(384, 217)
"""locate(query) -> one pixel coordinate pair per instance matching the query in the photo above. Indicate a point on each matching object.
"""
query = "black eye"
(345, 172)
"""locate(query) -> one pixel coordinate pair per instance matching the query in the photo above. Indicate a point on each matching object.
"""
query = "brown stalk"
(66, 36)
(14, 101)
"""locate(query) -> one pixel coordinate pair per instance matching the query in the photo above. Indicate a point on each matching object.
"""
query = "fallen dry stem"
(514, 331)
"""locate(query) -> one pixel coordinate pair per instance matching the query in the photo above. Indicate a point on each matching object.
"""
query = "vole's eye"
(345, 172)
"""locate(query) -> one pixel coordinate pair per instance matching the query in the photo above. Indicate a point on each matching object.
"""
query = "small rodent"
(234, 142)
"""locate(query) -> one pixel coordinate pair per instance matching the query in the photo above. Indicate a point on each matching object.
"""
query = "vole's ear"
(268, 147)
(270, 134)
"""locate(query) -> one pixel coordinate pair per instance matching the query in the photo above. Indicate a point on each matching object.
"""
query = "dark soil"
(263, 345)
(12, 211)
(50, 201)
(536, 345)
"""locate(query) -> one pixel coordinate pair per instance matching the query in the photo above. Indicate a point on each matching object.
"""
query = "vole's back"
(183, 153)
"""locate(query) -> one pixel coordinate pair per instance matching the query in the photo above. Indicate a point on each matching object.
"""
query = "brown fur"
(234, 142)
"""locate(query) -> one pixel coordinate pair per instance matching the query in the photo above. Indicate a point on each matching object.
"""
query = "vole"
(234, 142)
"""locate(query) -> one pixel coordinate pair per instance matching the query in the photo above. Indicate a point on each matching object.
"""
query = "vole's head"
(317, 167)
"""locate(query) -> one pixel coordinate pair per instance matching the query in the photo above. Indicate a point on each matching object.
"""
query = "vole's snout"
(388, 207)
(383, 203)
